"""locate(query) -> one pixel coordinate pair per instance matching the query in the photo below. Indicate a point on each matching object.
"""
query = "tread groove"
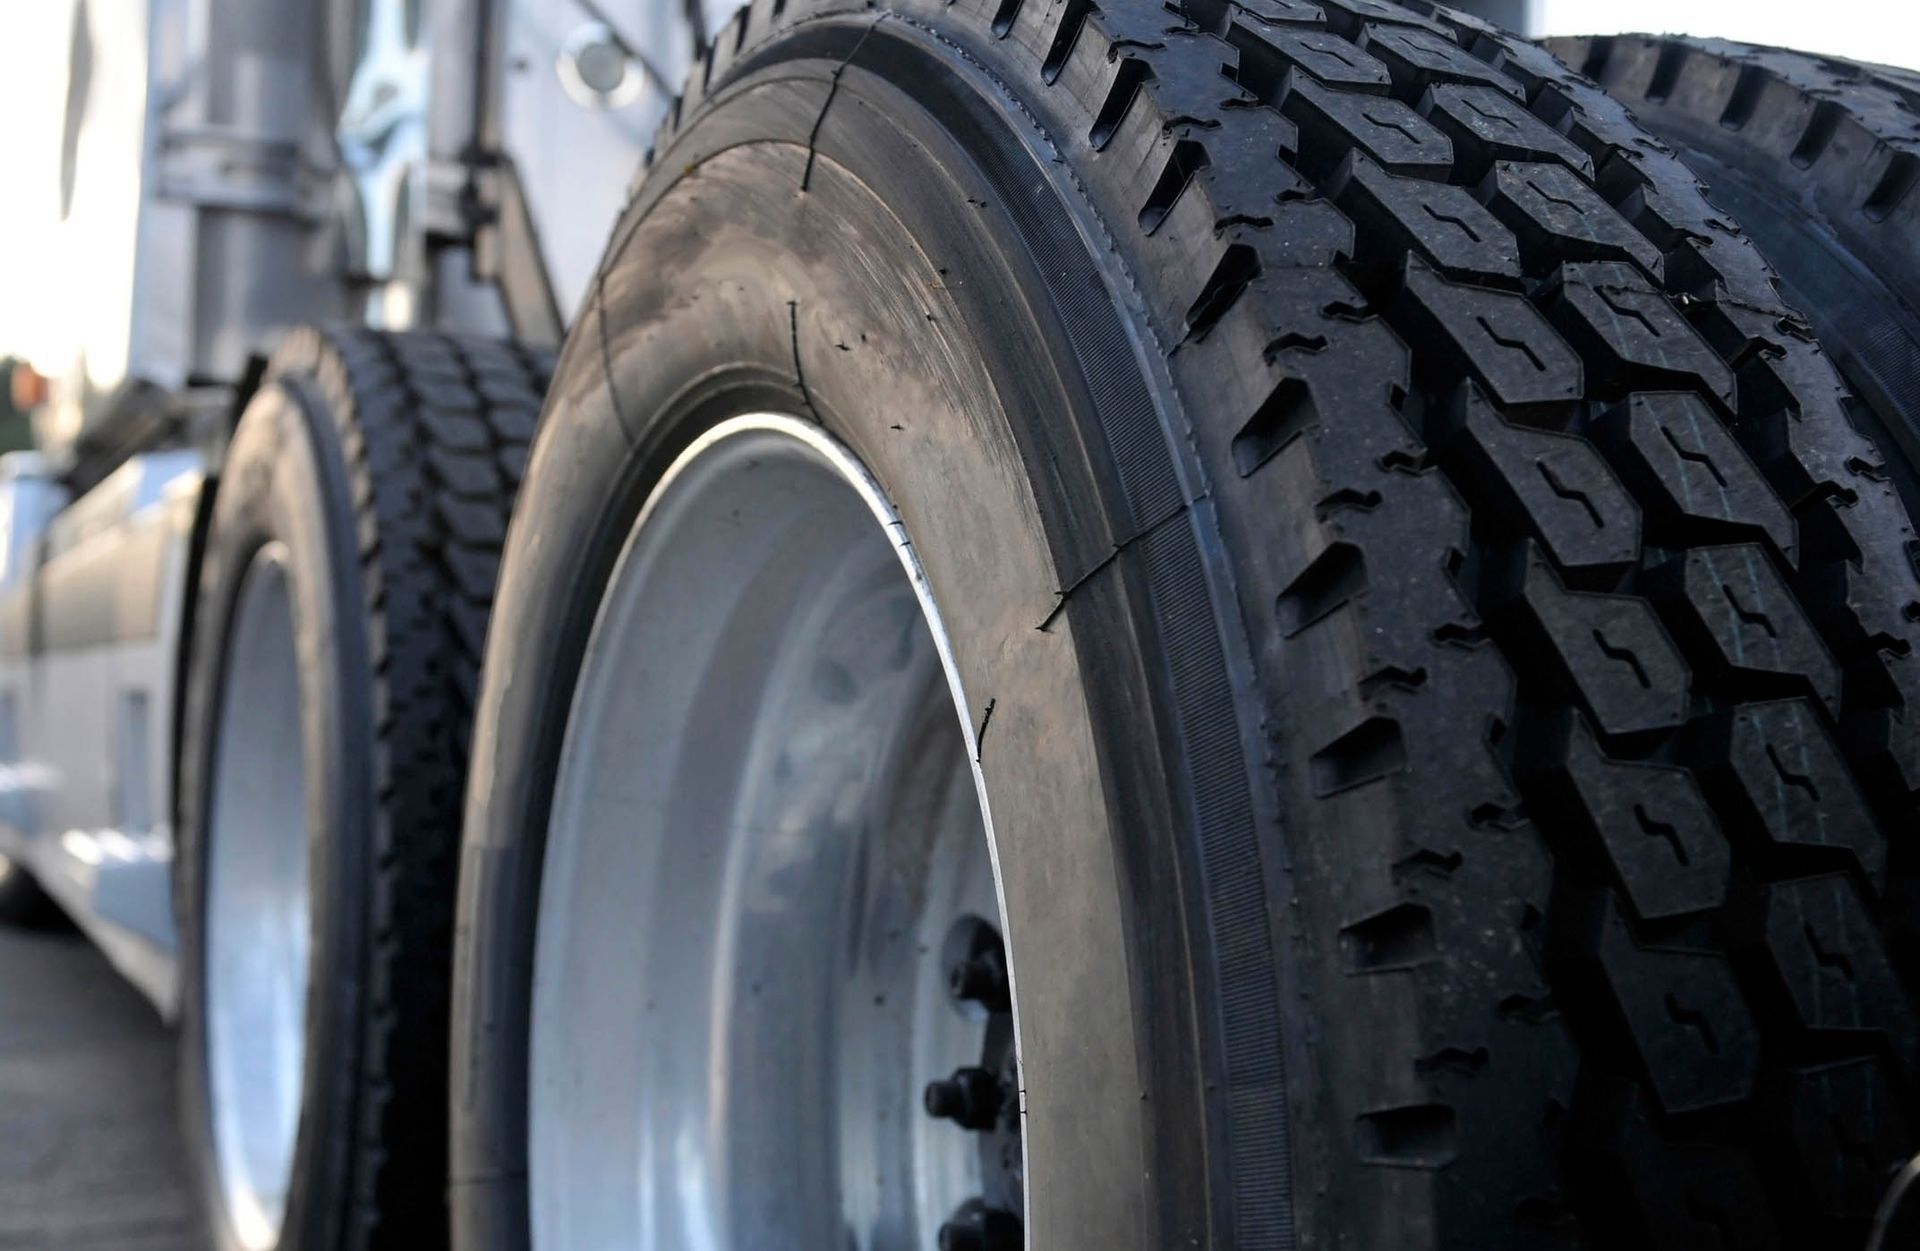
(1185, 160)
(1820, 130)
(1903, 169)
(1747, 90)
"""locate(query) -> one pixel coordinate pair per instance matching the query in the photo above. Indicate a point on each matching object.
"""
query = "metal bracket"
(227, 168)
(506, 251)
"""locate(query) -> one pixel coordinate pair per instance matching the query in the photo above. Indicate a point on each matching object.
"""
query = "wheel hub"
(765, 824)
(257, 936)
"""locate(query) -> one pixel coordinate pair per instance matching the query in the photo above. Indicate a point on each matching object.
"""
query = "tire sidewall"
(949, 375)
(284, 481)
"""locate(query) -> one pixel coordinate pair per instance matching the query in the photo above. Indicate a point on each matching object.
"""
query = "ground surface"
(89, 1159)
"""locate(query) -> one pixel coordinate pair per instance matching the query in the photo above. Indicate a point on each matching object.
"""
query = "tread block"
(1347, 16)
(1265, 56)
(1793, 406)
(1298, 324)
(469, 520)
(1556, 484)
(1736, 601)
(1306, 235)
(1825, 947)
(1847, 1132)
(1660, 835)
(1489, 125)
(1658, 193)
(1506, 345)
(1558, 217)
(1612, 647)
(1885, 739)
(1707, 256)
(1279, 11)
(1779, 770)
(1334, 123)
(1242, 173)
(1420, 58)
(1682, 1011)
(1710, 1195)
(1689, 468)
(1444, 223)
(1615, 316)
(468, 473)
(459, 431)
(1863, 591)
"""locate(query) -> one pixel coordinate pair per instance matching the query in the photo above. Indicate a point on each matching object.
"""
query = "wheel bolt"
(971, 1098)
(982, 978)
(977, 1227)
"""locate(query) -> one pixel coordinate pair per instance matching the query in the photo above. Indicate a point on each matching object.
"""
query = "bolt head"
(945, 1099)
(982, 978)
(971, 1098)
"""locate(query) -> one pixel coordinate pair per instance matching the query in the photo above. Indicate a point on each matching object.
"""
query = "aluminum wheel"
(771, 1003)
(257, 929)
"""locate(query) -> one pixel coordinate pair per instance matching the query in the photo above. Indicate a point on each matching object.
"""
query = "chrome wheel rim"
(768, 865)
(257, 932)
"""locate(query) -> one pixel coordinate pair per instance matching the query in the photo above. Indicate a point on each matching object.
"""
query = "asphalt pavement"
(89, 1157)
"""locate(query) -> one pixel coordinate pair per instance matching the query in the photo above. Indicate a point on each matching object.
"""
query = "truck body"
(228, 170)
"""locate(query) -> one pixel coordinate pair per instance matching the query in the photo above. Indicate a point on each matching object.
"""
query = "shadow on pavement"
(89, 1157)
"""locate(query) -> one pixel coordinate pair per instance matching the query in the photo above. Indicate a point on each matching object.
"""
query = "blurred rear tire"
(343, 601)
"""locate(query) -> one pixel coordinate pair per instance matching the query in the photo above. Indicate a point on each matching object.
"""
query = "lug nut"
(977, 1227)
(970, 1098)
(982, 978)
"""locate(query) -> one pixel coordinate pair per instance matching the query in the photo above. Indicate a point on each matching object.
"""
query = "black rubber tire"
(386, 465)
(1493, 635)
(1818, 158)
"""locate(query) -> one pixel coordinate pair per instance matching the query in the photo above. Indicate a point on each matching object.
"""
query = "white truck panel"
(89, 693)
(576, 188)
(228, 170)
(196, 177)
(103, 175)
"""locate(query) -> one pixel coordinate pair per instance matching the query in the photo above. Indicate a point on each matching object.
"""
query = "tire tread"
(434, 429)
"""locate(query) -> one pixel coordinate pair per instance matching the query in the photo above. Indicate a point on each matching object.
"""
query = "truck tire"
(342, 605)
(1433, 649)
(1817, 158)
